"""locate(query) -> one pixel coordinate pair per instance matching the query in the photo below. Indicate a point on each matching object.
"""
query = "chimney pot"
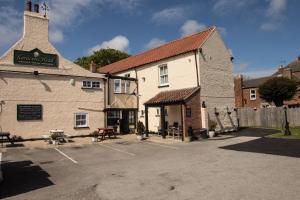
(93, 67)
(36, 8)
(299, 58)
(29, 6)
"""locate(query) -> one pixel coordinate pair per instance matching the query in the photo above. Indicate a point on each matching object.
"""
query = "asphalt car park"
(224, 168)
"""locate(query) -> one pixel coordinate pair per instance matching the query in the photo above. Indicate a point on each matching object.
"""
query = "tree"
(101, 58)
(278, 90)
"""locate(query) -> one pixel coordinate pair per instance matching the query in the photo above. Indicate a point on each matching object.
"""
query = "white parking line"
(161, 145)
(62, 153)
(119, 150)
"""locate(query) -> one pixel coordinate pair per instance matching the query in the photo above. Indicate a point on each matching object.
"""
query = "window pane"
(117, 86)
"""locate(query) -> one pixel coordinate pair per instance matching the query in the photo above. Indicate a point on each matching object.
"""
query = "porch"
(179, 112)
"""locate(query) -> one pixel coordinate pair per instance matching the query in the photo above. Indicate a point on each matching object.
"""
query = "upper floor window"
(252, 94)
(91, 84)
(163, 75)
(117, 86)
(127, 75)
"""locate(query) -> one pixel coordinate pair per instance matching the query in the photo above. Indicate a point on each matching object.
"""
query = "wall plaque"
(29, 112)
(36, 58)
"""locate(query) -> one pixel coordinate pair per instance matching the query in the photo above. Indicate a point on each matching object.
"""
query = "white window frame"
(127, 75)
(163, 75)
(127, 87)
(253, 96)
(85, 86)
(97, 83)
(120, 86)
(90, 84)
(86, 125)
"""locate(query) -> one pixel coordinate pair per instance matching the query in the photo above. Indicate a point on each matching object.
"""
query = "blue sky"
(262, 34)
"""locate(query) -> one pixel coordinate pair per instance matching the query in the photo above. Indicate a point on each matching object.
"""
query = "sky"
(261, 34)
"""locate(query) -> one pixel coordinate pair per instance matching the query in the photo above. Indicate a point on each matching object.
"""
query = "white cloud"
(227, 6)
(66, 13)
(10, 25)
(276, 7)
(155, 42)
(191, 26)
(119, 42)
(274, 14)
(56, 36)
(172, 14)
(222, 30)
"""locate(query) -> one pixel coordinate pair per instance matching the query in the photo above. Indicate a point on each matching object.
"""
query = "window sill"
(84, 88)
(86, 127)
(163, 86)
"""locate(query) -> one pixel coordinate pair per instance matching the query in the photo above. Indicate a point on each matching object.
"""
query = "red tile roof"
(174, 48)
(172, 96)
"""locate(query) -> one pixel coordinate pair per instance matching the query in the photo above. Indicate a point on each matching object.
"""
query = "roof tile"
(177, 47)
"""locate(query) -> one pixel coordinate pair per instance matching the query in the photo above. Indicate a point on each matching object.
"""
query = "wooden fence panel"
(268, 117)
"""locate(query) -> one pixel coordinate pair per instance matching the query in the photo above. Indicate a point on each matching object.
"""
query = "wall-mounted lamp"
(36, 73)
(228, 112)
(216, 113)
(203, 104)
(72, 82)
(232, 58)
(255, 109)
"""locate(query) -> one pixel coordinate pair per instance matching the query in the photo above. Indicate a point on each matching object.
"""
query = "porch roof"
(172, 97)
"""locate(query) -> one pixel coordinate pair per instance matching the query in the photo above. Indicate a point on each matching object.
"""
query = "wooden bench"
(106, 132)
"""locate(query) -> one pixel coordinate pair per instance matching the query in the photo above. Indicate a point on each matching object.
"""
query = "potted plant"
(55, 138)
(212, 128)
(94, 136)
(140, 130)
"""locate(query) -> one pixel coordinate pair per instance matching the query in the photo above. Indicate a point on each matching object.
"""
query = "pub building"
(40, 90)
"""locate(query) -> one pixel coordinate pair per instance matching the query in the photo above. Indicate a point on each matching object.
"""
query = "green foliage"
(278, 90)
(102, 58)
(212, 125)
(140, 128)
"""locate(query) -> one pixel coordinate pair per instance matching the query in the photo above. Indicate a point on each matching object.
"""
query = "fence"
(268, 117)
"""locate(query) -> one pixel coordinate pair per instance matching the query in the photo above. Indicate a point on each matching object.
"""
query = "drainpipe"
(198, 84)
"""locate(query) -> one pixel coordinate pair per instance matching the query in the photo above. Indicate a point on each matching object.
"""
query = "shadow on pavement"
(256, 132)
(274, 146)
(21, 177)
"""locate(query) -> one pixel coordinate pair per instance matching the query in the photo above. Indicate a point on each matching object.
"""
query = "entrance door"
(125, 122)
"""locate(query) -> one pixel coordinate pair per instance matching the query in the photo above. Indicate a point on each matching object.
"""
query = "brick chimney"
(28, 6)
(238, 90)
(93, 67)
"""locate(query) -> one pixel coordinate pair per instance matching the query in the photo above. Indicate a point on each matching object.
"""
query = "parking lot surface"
(226, 168)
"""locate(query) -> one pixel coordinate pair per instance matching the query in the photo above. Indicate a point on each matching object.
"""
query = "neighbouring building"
(183, 83)
(246, 90)
(40, 90)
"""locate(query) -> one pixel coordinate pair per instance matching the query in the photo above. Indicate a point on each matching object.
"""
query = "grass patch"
(295, 134)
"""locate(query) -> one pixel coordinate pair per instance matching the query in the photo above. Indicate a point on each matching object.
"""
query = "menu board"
(29, 112)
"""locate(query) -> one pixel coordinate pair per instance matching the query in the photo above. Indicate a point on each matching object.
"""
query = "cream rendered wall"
(122, 100)
(181, 73)
(60, 100)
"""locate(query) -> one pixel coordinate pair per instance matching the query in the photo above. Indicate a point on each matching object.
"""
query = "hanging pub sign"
(36, 58)
(29, 112)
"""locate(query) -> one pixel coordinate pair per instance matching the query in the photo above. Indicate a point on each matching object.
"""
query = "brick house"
(246, 90)
(178, 84)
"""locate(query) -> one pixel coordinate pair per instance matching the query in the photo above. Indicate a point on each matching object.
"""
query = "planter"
(94, 139)
(211, 134)
(139, 137)
(55, 142)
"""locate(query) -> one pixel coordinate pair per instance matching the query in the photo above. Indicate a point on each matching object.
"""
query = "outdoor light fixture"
(228, 112)
(72, 81)
(36, 73)
(216, 113)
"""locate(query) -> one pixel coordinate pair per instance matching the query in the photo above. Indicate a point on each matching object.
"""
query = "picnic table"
(61, 136)
(7, 136)
(106, 132)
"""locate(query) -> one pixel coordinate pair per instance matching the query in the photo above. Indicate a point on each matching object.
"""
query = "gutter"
(198, 84)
